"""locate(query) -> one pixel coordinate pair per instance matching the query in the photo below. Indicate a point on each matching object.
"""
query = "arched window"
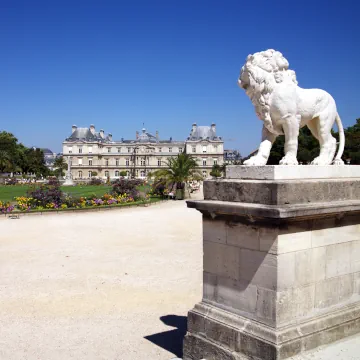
(80, 174)
(89, 174)
(106, 173)
(117, 173)
(142, 173)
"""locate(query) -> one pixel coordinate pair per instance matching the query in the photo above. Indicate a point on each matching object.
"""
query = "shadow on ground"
(171, 340)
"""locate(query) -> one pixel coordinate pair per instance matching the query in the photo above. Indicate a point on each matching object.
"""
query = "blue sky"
(166, 63)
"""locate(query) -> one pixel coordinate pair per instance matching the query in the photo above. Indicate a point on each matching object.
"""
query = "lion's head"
(258, 77)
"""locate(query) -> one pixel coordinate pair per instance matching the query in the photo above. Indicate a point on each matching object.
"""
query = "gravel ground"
(107, 285)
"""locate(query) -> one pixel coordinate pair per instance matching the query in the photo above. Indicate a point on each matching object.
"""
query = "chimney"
(92, 129)
(73, 128)
(102, 133)
(193, 127)
(110, 137)
(137, 135)
(157, 135)
(213, 127)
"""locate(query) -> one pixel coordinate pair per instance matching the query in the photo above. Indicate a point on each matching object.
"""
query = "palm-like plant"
(60, 165)
(180, 170)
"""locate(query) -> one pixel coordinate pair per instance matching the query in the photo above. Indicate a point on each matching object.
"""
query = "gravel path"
(106, 285)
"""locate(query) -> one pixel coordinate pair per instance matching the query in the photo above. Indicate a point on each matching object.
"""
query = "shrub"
(128, 187)
(95, 181)
(46, 194)
(123, 173)
(158, 188)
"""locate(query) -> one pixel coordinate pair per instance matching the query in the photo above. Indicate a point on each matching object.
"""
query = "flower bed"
(49, 197)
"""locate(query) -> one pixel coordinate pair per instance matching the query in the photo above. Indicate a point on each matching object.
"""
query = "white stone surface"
(284, 107)
(279, 172)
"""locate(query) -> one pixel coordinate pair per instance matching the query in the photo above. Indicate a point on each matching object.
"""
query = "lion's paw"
(321, 160)
(289, 160)
(255, 161)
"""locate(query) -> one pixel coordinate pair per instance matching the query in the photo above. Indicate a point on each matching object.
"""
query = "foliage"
(309, 147)
(5, 207)
(127, 186)
(180, 170)
(123, 173)
(60, 165)
(96, 181)
(15, 157)
(158, 188)
(217, 171)
(46, 193)
(94, 173)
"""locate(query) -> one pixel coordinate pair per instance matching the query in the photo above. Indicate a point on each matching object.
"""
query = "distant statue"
(284, 108)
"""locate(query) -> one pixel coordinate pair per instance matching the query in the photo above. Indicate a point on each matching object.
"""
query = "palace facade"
(93, 153)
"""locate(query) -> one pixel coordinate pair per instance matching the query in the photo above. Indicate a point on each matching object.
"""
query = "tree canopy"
(15, 157)
(309, 147)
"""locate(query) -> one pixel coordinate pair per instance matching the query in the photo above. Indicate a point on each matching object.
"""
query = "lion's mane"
(262, 71)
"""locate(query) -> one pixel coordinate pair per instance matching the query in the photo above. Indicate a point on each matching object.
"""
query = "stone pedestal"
(281, 262)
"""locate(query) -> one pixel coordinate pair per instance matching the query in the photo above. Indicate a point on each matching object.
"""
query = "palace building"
(93, 153)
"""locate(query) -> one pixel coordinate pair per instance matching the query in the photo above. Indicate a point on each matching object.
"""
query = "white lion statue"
(284, 107)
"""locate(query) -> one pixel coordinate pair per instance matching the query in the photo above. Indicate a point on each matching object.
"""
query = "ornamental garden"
(51, 196)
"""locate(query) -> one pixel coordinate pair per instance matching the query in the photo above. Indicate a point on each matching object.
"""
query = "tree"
(60, 165)
(123, 173)
(180, 171)
(5, 161)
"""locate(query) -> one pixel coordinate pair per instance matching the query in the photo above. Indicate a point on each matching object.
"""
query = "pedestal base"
(68, 182)
(281, 268)
(216, 334)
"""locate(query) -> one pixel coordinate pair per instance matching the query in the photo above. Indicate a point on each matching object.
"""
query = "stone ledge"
(215, 330)
(278, 172)
(282, 192)
(272, 211)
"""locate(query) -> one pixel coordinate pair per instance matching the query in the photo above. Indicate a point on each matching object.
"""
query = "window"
(215, 148)
(204, 162)
(106, 162)
(193, 149)
(80, 150)
(80, 161)
(107, 174)
(160, 149)
(204, 173)
(137, 173)
(70, 150)
(71, 162)
(215, 161)
(129, 150)
(80, 174)
(170, 149)
(90, 174)
(128, 173)
(143, 162)
(90, 162)
(180, 150)
(117, 162)
(117, 173)
(90, 149)
(204, 149)
(119, 150)
(142, 173)
(127, 162)
(159, 162)
(109, 150)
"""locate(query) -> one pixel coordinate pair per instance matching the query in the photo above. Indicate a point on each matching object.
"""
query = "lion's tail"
(338, 160)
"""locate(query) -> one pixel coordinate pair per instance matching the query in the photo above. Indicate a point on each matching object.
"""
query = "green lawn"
(8, 193)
